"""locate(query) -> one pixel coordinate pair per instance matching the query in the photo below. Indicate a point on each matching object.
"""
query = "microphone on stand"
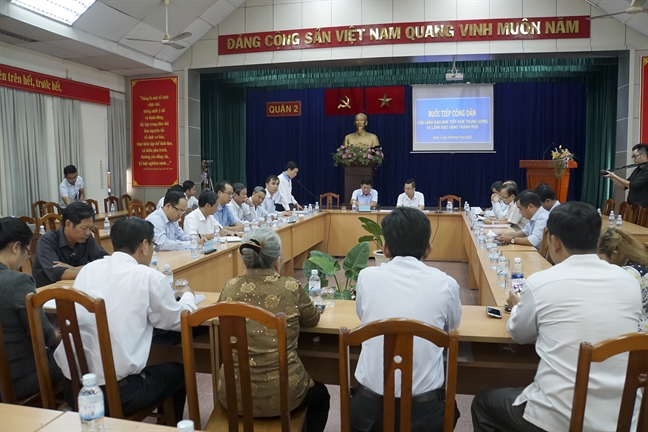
(603, 172)
(546, 150)
(311, 193)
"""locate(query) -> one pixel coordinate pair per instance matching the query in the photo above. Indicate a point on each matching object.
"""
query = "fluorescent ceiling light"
(66, 11)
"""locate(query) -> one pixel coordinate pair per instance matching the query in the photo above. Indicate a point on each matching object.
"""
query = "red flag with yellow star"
(385, 100)
(343, 101)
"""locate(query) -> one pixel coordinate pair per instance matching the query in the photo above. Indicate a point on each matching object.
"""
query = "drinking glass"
(343, 208)
(328, 296)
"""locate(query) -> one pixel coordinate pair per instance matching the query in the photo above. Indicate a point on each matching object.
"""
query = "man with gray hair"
(257, 198)
(240, 204)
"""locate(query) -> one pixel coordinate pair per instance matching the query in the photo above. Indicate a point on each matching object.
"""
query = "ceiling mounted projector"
(454, 76)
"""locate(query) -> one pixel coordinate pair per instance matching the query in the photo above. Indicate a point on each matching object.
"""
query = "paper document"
(476, 209)
(497, 226)
(384, 211)
(232, 239)
(199, 298)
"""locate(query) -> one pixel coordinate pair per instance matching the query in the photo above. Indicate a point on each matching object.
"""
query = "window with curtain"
(117, 143)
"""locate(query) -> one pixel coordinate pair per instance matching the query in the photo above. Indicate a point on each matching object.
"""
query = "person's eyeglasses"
(156, 247)
(28, 250)
(180, 211)
(634, 156)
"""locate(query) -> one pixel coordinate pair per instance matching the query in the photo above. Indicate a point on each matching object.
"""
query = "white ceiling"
(98, 37)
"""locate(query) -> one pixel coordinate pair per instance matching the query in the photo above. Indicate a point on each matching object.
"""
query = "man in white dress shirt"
(240, 205)
(498, 208)
(168, 234)
(201, 222)
(137, 298)
(548, 197)
(271, 187)
(189, 190)
(366, 195)
(411, 198)
(284, 197)
(580, 299)
(405, 287)
(530, 207)
(71, 188)
(509, 193)
(258, 198)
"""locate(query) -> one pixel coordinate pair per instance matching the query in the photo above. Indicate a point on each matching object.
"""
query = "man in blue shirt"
(223, 215)
(167, 232)
(365, 196)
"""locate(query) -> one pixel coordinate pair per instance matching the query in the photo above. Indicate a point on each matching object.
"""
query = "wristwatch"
(513, 240)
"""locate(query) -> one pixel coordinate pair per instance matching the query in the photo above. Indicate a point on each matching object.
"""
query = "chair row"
(330, 200)
(398, 355)
(629, 212)
(48, 213)
(41, 208)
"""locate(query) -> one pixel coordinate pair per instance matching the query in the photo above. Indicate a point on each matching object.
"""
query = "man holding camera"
(637, 183)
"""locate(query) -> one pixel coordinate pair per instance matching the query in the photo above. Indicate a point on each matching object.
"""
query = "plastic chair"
(636, 344)
(111, 200)
(136, 208)
(233, 336)
(608, 206)
(328, 197)
(398, 341)
(94, 204)
(453, 198)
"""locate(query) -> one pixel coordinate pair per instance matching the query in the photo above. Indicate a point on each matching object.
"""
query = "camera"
(603, 173)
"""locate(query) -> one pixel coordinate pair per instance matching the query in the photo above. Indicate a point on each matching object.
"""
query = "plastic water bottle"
(466, 207)
(41, 230)
(112, 209)
(449, 206)
(169, 275)
(317, 208)
(193, 246)
(107, 225)
(246, 227)
(599, 211)
(354, 207)
(611, 220)
(619, 221)
(217, 239)
(255, 224)
(91, 405)
(185, 426)
(517, 276)
(502, 271)
(315, 288)
(154, 260)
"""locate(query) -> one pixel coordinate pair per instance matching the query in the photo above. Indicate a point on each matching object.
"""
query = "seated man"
(411, 198)
(189, 190)
(168, 234)
(498, 208)
(258, 197)
(405, 287)
(223, 215)
(529, 205)
(284, 200)
(176, 188)
(71, 188)
(366, 195)
(202, 222)
(558, 309)
(137, 298)
(271, 188)
(62, 253)
(508, 194)
(547, 197)
(240, 204)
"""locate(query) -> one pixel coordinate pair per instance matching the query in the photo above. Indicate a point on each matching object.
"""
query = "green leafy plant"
(327, 266)
(375, 232)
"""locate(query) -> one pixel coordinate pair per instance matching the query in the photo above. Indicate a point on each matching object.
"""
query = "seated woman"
(15, 239)
(620, 248)
(262, 285)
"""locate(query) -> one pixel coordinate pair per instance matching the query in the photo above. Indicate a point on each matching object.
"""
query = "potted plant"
(375, 235)
(358, 154)
(327, 266)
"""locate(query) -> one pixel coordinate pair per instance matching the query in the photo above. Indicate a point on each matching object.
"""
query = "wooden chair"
(626, 211)
(181, 220)
(96, 234)
(94, 204)
(111, 200)
(608, 206)
(233, 336)
(6, 384)
(37, 209)
(623, 208)
(453, 198)
(327, 199)
(642, 217)
(150, 207)
(30, 221)
(136, 208)
(49, 221)
(125, 199)
(636, 344)
(66, 299)
(635, 213)
(52, 207)
(398, 341)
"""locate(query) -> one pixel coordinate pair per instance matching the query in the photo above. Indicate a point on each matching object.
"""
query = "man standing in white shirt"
(411, 198)
(168, 234)
(547, 197)
(530, 207)
(240, 203)
(201, 222)
(137, 298)
(580, 299)
(366, 195)
(405, 287)
(71, 188)
(189, 190)
(284, 196)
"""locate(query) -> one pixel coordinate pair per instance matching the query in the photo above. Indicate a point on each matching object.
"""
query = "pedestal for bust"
(353, 176)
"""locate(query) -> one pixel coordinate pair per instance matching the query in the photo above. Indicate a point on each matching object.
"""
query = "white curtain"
(117, 143)
(68, 134)
(24, 177)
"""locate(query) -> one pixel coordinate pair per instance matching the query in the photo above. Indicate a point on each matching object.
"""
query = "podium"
(542, 171)
(353, 176)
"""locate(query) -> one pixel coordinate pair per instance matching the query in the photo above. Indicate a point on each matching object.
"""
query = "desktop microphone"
(306, 189)
(603, 172)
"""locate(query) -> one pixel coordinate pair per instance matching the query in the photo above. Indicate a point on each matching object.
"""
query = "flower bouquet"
(561, 158)
(358, 154)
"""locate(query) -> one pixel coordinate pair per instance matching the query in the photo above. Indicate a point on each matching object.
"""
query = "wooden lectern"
(542, 171)
(353, 176)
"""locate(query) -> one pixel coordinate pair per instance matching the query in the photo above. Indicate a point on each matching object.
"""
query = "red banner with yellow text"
(343, 101)
(643, 108)
(385, 100)
(21, 79)
(154, 129)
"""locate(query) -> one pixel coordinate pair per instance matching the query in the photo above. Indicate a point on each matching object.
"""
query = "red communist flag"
(343, 101)
(385, 100)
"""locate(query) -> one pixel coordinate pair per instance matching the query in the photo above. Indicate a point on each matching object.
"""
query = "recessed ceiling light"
(65, 11)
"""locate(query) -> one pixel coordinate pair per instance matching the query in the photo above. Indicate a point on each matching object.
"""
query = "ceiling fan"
(166, 40)
(637, 6)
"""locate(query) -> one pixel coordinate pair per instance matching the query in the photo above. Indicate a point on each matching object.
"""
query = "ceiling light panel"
(65, 11)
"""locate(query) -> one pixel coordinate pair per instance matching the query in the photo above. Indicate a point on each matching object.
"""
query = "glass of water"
(493, 256)
(481, 241)
(328, 296)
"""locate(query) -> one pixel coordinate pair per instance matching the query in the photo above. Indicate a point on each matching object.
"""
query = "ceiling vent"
(16, 36)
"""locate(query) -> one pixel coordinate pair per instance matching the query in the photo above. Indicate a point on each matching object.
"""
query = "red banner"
(643, 107)
(385, 100)
(343, 101)
(405, 33)
(283, 109)
(21, 79)
(154, 126)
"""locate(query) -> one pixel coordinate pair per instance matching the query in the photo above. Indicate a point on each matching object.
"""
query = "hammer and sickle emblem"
(345, 102)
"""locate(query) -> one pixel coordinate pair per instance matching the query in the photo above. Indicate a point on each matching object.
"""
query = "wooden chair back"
(453, 198)
(30, 221)
(623, 208)
(398, 342)
(125, 200)
(635, 213)
(6, 383)
(626, 211)
(94, 204)
(150, 207)
(544, 244)
(608, 206)
(37, 209)
(111, 200)
(50, 220)
(636, 344)
(96, 234)
(52, 207)
(327, 200)
(642, 217)
(136, 208)
(233, 336)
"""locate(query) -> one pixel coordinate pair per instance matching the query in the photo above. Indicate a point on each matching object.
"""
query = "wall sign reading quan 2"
(404, 33)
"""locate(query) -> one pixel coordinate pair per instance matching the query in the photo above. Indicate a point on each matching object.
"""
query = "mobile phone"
(321, 308)
(493, 312)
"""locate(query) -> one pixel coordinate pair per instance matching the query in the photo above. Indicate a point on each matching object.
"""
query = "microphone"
(546, 150)
(603, 172)
(306, 189)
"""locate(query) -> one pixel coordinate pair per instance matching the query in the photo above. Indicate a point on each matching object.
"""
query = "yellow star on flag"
(384, 101)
